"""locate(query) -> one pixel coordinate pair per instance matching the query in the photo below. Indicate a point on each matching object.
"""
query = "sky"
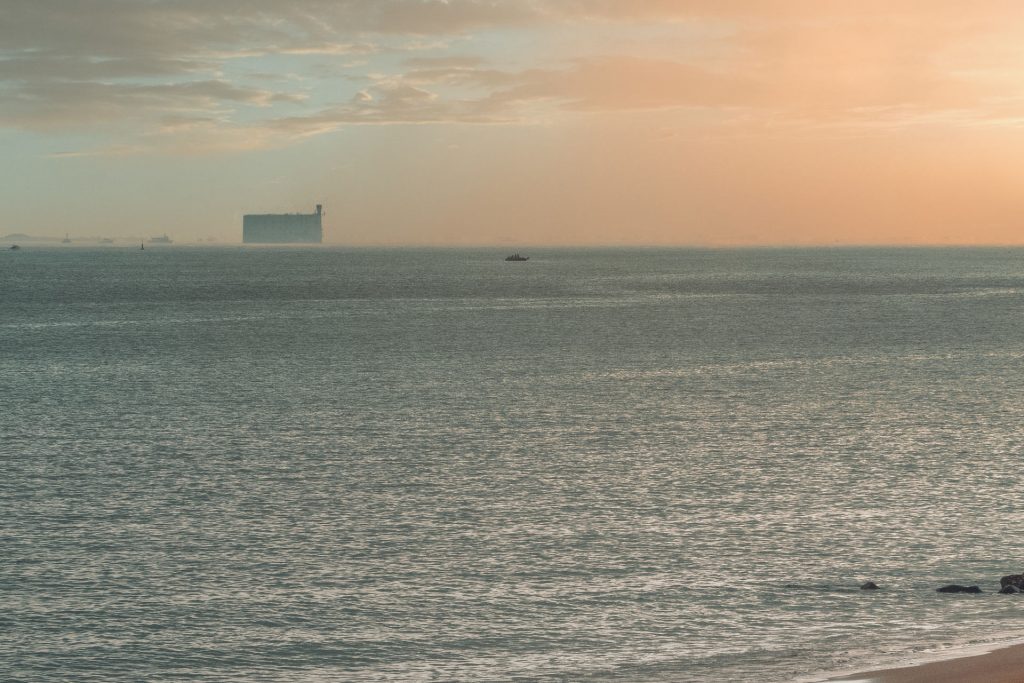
(517, 122)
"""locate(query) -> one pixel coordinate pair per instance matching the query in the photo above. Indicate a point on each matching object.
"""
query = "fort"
(283, 228)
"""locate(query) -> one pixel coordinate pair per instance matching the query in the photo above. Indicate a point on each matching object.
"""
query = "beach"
(1003, 665)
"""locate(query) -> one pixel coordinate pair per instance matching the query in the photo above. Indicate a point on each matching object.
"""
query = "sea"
(335, 464)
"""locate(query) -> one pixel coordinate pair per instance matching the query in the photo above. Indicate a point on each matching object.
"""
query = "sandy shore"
(1005, 665)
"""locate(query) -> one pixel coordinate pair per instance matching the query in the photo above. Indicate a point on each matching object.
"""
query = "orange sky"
(719, 122)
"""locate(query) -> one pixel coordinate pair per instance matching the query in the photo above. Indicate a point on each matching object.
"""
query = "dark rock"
(1015, 580)
(869, 586)
(1006, 590)
(956, 588)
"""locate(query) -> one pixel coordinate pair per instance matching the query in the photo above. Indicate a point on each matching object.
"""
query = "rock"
(1015, 580)
(1006, 590)
(869, 586)
(956, 588)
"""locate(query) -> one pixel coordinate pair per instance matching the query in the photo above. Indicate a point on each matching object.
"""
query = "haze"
(517, 122)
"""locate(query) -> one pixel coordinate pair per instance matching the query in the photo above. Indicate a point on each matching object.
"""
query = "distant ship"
(163, 239)
(106, 240)
(15, 247)
(67, 239)
(516, 257)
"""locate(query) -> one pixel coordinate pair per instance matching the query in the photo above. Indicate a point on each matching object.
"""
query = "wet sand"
(1005, 665)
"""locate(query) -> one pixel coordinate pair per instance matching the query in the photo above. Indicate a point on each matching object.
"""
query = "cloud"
(36, 67)
(120, 28)
(623, 83)
(88, 64)
(389, 104)
(447, 62)
(52, 105)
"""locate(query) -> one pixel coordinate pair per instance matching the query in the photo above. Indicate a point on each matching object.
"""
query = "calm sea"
(228, 464)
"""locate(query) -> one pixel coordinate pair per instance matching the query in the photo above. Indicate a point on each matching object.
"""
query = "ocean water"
(231, 464)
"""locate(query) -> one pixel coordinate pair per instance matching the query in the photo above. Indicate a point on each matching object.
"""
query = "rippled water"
(279, 465)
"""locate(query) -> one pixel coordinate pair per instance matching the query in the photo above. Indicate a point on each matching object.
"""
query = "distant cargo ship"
(284, 228)
(516, 257)
(162, 239)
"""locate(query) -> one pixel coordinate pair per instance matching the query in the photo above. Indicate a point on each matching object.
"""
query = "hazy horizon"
(508, 247)
(505, 123)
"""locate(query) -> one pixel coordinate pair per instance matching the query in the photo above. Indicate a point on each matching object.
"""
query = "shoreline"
(992, 663)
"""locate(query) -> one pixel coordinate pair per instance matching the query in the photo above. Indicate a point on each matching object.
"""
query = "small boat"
(517, 257)
(106, 240)
(15, 247)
